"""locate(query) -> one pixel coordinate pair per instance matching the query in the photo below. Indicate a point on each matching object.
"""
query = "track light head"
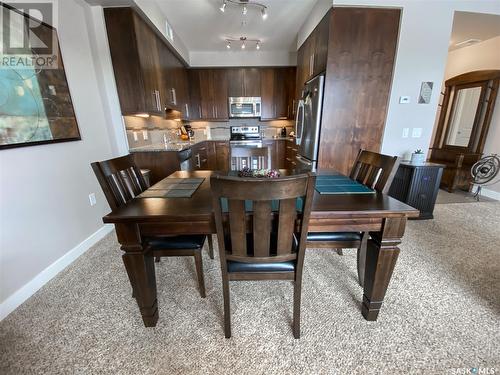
(223, 6)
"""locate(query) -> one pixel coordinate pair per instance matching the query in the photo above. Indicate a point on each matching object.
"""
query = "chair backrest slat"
(288, 214)
(237, 226)
(264, 231)
(375, 170)
(120, 179)
(262, 225)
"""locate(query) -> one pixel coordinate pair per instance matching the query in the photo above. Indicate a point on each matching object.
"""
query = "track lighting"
(244, 4)
(243, 40)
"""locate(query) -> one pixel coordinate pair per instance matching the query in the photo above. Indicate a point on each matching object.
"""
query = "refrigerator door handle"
(300, 113)
(304, 160)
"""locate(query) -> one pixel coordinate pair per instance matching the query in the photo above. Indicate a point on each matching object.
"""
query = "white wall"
(485, 55)
(315, 16)
(421, 56)
(239, 58)
(45, 209)
(156, 15)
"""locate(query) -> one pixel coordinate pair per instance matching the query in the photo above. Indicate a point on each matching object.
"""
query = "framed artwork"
(35, 101)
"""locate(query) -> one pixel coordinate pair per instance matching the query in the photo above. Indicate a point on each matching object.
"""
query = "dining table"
(382, 216)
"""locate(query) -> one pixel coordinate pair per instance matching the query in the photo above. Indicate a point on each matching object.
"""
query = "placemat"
(173, 188)
(340, 184)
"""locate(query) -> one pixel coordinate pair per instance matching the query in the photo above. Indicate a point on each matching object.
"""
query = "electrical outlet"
(404, 100)
(406, 132)
(136, 138)
(416, 133)
(92, 199)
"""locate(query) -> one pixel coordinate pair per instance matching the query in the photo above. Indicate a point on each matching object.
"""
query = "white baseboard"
(491, 194)
(25, 292)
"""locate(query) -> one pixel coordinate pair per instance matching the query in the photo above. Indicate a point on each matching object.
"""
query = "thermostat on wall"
(404, 100)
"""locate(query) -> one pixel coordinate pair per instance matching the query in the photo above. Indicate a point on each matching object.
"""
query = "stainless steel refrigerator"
(308, 123)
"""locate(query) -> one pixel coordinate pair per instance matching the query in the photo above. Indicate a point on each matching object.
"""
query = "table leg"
(139, 263)
(381, 256)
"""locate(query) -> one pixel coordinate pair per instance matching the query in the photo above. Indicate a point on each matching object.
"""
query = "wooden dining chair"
(121, 180)
(377, 172)
(262, 229)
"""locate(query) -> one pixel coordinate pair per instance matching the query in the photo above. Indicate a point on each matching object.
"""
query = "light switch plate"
(404, 100)
(92, 199)
(406, 132)
(416, 133)
(136, 138)
(145, 135)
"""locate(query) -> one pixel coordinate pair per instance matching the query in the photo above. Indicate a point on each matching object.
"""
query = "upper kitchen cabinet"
(135, 76)
(278, 93)
(209, 93)
(243, 82)
(149, 77)
(312, 55)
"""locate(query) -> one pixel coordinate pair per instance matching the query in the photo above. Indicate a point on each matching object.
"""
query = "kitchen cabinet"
(277, 93)
(200, 156)
(135, 60)
(161, 164)
(149, 76)
(243, 82)
(209, 89)
(312, 55)
(222, 155)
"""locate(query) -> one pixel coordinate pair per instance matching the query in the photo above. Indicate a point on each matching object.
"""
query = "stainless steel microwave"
(244, 107)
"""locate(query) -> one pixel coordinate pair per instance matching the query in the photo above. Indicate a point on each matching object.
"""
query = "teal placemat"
(173, 188)
(340, 184)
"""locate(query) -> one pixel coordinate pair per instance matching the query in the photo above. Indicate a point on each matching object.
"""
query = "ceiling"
(203, 27)
(468, 25)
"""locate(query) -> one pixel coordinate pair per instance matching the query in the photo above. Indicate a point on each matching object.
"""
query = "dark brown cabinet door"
(235, 82)
(321, 36)
(220, 101)
(222, 156)
(251, 82)
(194, 94)
(267, 93)
(147, 48)
(206, 81)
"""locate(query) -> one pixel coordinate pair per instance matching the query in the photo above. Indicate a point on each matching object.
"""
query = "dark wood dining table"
(380, 215)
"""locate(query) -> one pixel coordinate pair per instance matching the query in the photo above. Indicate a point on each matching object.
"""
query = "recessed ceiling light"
(264, 13)
(228, 45)
(245, 10)
(257, 46)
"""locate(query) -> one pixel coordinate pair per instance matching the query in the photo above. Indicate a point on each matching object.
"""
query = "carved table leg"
(139, 263)
(381, 256)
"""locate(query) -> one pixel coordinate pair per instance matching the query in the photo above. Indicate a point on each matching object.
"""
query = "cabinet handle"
(216, 114)
(173, 96)
(187, 110)
(198, 162)
(213, 111)
(199, 111)
(155, 100)
(274, 110)
(288, 111)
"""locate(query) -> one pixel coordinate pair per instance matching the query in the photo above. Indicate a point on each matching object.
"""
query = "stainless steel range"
(245, 136)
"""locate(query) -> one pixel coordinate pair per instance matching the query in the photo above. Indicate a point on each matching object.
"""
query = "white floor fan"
(484, 172)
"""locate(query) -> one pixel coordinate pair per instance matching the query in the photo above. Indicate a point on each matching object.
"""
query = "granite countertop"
(183, 145)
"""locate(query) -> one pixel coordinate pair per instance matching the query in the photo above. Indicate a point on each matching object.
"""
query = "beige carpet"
(442, 313)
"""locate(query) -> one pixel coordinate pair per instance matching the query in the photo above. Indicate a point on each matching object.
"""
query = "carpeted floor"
(441, 313)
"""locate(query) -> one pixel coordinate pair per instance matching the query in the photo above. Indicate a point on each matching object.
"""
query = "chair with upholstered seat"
(121, 181)
(377, 172)
(261, 229)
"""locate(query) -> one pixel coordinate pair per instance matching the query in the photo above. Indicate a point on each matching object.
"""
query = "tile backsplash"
(150, 131)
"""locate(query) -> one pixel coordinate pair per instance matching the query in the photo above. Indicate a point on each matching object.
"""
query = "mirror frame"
(488, 80)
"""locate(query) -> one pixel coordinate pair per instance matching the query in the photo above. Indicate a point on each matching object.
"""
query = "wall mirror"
(468, 104)
(462, 128)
